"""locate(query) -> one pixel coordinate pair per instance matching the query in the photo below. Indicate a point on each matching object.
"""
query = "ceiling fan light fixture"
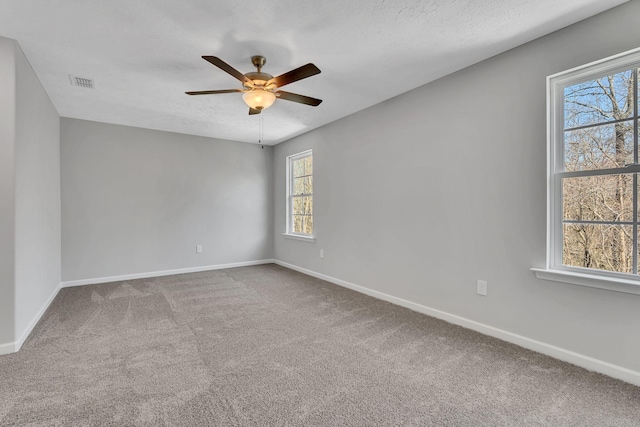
(259, 99)
(262, 89)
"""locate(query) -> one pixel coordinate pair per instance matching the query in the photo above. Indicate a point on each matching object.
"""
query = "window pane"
(638, 257)
(598, 198)
(300, 207)
(303, 185)
(602, 247)
(297, 223)
(308, 224)
(303, 205)
(599, 147)
(299, 167)
(308, 166)
(601, 100)
(303, 224)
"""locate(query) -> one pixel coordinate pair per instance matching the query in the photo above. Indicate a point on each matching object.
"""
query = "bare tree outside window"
(599, 204)
(301, 194)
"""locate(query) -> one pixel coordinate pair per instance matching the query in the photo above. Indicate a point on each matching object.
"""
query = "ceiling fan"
(262, 89)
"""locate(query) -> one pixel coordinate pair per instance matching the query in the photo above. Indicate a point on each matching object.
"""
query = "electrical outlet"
(481, 287)
(321, 253)
(199, 249)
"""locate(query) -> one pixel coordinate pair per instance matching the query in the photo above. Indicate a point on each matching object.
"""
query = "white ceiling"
(144, 54)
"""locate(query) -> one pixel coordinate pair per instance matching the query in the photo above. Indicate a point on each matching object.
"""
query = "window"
(594, 170)
(300, 195)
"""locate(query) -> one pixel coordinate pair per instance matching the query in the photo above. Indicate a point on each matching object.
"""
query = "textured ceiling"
(144, 54)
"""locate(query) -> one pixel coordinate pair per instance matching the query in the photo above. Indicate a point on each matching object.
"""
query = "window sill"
(590, 280)
(298, 237)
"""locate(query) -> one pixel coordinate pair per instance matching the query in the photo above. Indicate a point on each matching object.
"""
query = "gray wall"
(30, 193)
(7, 190)
(137, 200)
(420, 196)
(37, 208)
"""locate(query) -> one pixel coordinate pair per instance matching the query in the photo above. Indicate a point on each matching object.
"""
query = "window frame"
(289, 233)
(555, 270)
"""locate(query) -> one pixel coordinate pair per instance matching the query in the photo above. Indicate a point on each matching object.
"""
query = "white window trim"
(302, 237)
(589, 280)
(554, 270)
(288, 233)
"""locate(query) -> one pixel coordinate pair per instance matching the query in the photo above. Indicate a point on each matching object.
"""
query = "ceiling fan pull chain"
(261, 131)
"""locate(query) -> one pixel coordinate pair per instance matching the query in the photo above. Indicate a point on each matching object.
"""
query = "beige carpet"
(269, 346)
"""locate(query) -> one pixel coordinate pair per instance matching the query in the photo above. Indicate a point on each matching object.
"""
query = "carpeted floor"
(268, 346)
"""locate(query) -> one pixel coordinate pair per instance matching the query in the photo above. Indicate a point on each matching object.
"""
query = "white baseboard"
(7, 348)
(589, 363)
(37, 318)
(15, 346)
(96, 280)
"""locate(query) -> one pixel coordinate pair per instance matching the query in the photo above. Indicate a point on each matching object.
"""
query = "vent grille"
(81, 82)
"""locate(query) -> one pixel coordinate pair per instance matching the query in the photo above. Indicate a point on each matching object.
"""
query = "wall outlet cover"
(481, 287)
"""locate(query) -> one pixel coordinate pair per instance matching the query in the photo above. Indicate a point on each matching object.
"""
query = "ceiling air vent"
(81, 82)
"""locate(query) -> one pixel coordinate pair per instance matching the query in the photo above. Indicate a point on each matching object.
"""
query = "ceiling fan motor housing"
(260, 79)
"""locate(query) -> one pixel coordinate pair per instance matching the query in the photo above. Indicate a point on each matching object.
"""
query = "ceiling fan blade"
(288, 96)
(227, 68)
(213, 92)
(295, 75)
(253, 111)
